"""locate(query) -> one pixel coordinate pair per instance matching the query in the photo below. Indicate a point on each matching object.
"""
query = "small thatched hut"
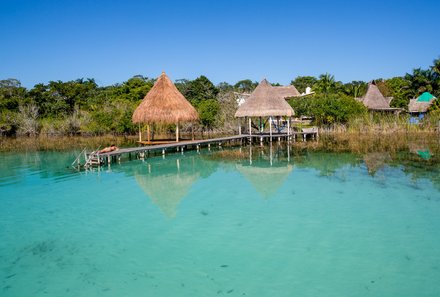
(164, 104)
(422, 103)
(265, 102)
(375, 101)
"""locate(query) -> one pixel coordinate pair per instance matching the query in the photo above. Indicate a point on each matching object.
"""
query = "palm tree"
(420, 81)
(436, 67)
(326, 83)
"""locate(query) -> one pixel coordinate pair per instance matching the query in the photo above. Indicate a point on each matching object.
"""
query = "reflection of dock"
(197, 144)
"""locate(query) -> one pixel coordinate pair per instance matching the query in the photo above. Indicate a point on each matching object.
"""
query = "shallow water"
(265, 223)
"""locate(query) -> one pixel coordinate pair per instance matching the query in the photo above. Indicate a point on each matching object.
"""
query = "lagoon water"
(225, 223)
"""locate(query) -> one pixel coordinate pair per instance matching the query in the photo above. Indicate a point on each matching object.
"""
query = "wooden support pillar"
(250, 130)
(177, 132)
(140, 133)
(288, 129)
(270, 129)
(148, 132)
(192, 131)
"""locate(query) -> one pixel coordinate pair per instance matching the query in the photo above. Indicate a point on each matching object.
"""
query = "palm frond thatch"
(264, 101)
(164, 104)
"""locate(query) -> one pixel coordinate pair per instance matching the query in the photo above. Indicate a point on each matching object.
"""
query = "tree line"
(82, 107)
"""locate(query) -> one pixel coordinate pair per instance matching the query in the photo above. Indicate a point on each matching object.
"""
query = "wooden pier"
(143, 151)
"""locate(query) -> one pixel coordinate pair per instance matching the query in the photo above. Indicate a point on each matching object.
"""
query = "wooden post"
(140, 133)
(148, 132)
(192, 131)
(250, 126)
(270, 128)
(288, 129)
(177, 132)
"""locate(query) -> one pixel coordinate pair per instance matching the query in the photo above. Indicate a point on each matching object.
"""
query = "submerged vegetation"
(81, 107)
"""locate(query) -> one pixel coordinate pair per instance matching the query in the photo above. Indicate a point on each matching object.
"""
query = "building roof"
(164, 104)
(264, 101)
(374, 99)
(287, 91)
(426, 97)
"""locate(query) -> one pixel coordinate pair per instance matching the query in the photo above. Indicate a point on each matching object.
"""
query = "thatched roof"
(264, 101)
(374, 99)
(164, 104)
(266, 180)
(287, 91)
(422, 103)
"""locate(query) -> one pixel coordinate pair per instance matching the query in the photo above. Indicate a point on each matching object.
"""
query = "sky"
(226, 41)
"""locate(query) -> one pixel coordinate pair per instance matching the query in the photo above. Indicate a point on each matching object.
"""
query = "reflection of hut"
(421, 151)
(375, 161)
(265, 102)
(168, 183)
(164, 104)
(375, 101)
(265, 179)
(419, 106)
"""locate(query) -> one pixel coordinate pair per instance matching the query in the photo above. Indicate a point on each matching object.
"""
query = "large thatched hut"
(164, 104)
(374, 100)
(268, 103)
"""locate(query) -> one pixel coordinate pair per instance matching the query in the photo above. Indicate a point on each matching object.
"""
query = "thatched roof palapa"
(264, 101)
(287, 91)
(164, 104)
(374, 99)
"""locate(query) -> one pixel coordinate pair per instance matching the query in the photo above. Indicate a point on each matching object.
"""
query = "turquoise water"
(312, 224)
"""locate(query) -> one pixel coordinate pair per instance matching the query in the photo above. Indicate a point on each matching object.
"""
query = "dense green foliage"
(328, 109)
(82, 107)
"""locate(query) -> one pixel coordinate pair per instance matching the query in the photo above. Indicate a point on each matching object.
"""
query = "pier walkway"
(196, 144)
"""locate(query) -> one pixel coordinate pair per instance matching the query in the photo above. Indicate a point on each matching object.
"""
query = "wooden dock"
(142, 151)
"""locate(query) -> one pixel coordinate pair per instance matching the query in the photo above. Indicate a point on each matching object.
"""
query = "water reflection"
(267, 169)
(168, 183)
(376, 161)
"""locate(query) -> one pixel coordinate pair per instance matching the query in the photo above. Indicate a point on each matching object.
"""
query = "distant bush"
(328, 110)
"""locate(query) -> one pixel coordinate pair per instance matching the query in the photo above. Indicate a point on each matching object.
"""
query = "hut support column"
(270, 128)
(177, 132)
(140, 133)
(148, 132)
(288, 129)
(250, 130)
(192, 131)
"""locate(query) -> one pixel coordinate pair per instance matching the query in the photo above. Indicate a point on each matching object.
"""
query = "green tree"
(355, 89)
(12, 94)
(302, 82)
(326, 84)
(399, 89)
(245, 86)
(134, 89)
(328, 109)
(208, 110)
(420, 81)
(199, 90)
